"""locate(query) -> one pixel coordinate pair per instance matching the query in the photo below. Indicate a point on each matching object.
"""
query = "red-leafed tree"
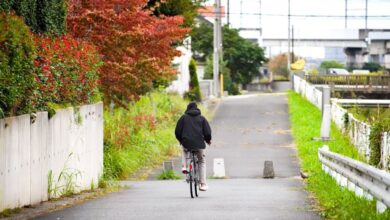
(137, 48)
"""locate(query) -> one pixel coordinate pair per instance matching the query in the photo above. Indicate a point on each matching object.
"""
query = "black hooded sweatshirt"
(192, 129)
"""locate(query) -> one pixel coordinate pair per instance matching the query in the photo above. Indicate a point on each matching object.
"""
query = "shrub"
(194, 93)
(372, 67)
(43, 16)
(377, 129)
(331, 64)
(142, 135)
(68, 71)
(16, 66)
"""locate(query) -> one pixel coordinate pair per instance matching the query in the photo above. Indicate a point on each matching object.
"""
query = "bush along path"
(141, 136)
(334, 201)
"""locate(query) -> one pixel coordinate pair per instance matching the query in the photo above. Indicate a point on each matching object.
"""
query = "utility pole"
(217, 38)
(366, 15)
(240, 13)
(292, 45)
(346, 14)
(228, 13)
(260, 29)
(288, 40)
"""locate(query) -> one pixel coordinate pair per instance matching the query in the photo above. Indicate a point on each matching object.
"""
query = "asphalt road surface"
(247, 131)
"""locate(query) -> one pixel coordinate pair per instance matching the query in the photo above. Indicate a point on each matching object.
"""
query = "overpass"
(307, 42)
(360, 45)
(329, 38)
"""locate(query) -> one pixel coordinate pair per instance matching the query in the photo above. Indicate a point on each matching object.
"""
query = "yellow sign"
(298, 65)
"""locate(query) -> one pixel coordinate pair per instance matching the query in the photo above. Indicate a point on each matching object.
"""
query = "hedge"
(42, 16)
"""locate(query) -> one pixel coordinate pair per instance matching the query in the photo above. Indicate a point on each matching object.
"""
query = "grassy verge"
(335, 202)
(141, 136)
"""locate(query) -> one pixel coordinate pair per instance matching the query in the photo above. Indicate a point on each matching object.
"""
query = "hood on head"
(192, 109)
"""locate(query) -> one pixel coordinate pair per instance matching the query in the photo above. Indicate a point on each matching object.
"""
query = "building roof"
(208, 11)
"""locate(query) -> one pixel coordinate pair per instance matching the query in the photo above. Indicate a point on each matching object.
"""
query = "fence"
(379, 83)
(358, 131)
(363, 179)
(42, 158)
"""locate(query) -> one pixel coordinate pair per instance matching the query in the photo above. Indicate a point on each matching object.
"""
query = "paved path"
(247, 130)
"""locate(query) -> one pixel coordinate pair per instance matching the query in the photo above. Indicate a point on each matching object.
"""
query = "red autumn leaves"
(136, 47)
(69, 70)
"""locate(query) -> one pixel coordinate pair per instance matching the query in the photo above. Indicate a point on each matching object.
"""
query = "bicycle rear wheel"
(196, 176)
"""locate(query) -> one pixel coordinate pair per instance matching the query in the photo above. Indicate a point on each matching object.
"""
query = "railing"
(365, 180)
(379, 83)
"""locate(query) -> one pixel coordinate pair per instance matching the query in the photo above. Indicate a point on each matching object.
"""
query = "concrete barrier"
(69, 147)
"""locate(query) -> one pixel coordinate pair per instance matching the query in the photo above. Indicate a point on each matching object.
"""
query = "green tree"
(331, 64)
(194, 93)
(186, 8)
(42, 16)
(202, 41)
(228, 84)
(372, 67)
(243, 57)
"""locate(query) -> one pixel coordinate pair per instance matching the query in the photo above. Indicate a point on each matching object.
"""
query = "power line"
(299, 15)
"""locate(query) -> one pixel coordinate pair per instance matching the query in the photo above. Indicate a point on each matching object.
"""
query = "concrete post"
(325, 125)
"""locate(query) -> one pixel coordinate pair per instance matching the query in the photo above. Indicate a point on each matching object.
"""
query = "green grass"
(141, 136)
(334, 202)
(169, 175)
(370, 114)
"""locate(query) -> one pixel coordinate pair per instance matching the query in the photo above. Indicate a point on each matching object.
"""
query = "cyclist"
(192, 131)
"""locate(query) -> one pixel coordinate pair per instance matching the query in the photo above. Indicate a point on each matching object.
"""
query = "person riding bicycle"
(192, 131)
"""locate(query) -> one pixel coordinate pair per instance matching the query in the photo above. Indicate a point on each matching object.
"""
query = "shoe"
(203, 187)
(184, 170)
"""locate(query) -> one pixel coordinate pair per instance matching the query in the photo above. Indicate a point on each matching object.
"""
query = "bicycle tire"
(191, 179)
(192, 194)
(196, 176)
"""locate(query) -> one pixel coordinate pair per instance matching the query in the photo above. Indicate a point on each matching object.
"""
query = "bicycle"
(193, 174)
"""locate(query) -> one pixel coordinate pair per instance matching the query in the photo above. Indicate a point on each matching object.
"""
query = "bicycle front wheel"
(191, 191)
(196, 183)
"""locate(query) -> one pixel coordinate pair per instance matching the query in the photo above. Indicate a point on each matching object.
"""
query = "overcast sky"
(274, 15)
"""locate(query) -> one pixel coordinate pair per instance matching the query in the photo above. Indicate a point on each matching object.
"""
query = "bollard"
(268, 172)
(219, 168)
(326, 117)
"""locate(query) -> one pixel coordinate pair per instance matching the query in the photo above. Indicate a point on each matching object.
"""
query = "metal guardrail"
(380, 83)
(363, 179)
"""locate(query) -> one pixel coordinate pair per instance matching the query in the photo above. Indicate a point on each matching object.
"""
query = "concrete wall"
(64, 153)
(308, 91)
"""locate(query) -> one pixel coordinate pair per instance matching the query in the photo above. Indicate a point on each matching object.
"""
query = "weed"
(92, 187)
(77, 116)
(65, 184)
(168, 175)
(9, 212)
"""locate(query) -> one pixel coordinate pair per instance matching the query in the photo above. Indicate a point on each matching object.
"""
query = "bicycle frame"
(193, 174)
